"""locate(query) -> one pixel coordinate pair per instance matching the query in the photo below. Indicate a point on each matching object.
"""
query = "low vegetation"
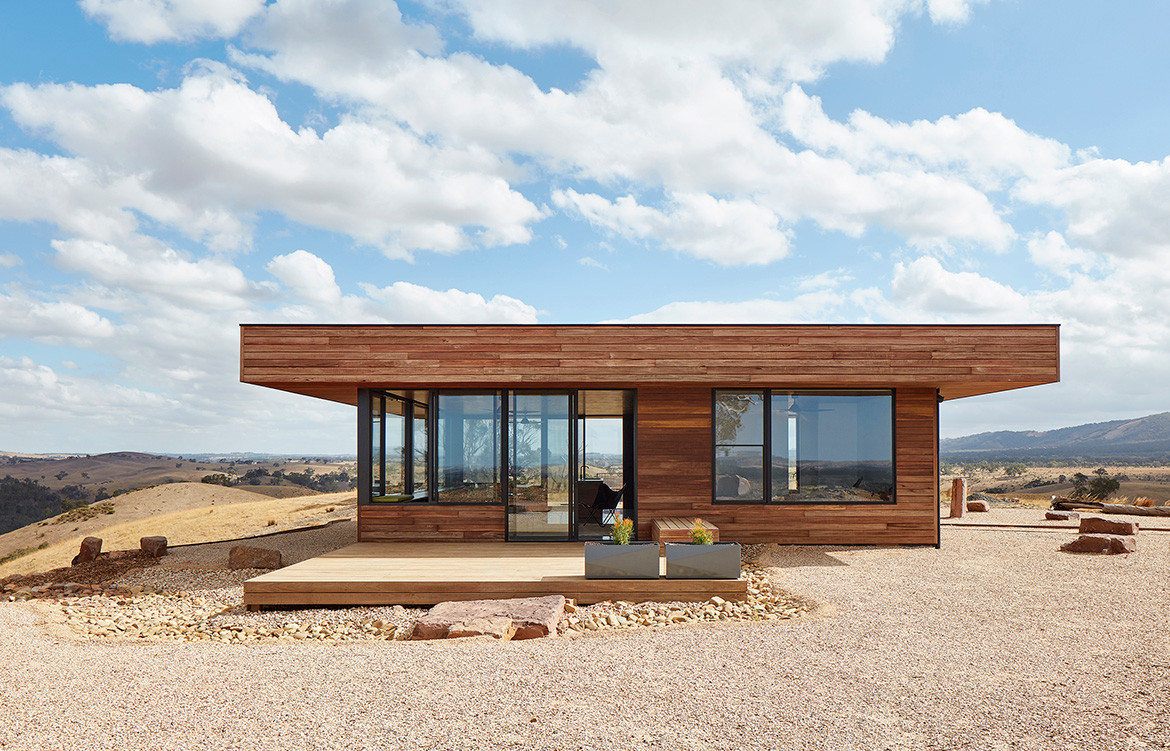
(22, 552)
(81, 513)
(327, 482)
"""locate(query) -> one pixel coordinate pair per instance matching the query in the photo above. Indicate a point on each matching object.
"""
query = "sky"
(170, 169)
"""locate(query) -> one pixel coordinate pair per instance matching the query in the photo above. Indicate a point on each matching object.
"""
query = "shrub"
(700, 535)
(623, 530)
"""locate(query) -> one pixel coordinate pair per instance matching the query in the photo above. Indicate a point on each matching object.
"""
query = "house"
(805, 434)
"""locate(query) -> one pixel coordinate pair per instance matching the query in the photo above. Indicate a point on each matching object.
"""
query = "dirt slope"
(183, 512)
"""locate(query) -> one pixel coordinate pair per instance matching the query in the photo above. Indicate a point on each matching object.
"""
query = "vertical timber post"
(958, 497)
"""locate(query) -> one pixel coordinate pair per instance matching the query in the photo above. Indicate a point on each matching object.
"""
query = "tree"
(1103, 486)
(1080, 481)
(217, 479)
(1015, 469)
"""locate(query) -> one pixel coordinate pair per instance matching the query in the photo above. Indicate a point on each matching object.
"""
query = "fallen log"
(1068, 504)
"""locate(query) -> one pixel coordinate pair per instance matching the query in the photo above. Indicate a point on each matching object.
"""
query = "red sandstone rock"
(498, 627)
(155, 547)
(1062, 516)
(1104, 544)
(1096, 525)
(978, 506)
(91, 548)
(242, 556)
(532, 616)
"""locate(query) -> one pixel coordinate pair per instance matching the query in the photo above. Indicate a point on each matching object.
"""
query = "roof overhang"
(333, 361)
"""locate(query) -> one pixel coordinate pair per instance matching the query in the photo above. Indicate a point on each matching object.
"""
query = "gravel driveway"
(994, 641)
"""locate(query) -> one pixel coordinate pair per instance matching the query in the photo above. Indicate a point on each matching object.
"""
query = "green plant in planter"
(623, 530)
(700, 535)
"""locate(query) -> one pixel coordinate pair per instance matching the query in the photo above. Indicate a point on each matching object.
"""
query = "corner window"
(398, 449)
(778, 446)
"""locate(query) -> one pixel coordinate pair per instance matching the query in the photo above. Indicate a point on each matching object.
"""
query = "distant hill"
(184, 513)
(34, 487)
(1145, 438)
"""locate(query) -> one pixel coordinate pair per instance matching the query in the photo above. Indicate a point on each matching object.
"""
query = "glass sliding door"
(540, 456)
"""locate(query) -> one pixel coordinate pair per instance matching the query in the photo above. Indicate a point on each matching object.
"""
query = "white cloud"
(152, 21)
(725, 231)
(1113, 207)
(316, 297)
(798, 39)
(213, 151)
(592, 262)
(51, 321)
(148, 267)
(306, 276)
(1052, 253)
(9, 260)
(924, 285)
(982, 147)
(821, 306)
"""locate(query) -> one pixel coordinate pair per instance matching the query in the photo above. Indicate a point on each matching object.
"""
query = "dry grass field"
(184, 513)
(1152, 483)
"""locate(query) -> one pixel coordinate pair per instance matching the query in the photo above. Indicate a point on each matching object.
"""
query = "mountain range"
(1143, 437)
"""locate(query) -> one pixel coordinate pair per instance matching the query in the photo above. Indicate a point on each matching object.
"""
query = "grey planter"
(638, 560)
(685, 560)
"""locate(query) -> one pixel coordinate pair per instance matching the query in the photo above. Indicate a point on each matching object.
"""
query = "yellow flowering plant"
(700, 534)
(623, 530)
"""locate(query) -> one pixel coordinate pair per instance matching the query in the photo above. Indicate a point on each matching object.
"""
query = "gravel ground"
(994, 641)
(294, 547)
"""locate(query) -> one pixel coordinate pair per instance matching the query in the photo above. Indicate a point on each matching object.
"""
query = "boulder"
(978, 506)
(155, 547)
(498, 627)
(1062, 516)
(1096, 525)
(243, 556)
(532, 616)
(1104, 544)
(91, 548)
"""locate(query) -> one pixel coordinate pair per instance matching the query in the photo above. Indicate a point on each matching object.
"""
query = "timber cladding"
(674, 478)
(332, 362)
(417, 522)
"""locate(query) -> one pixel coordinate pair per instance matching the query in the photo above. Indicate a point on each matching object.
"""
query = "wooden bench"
(678, 529)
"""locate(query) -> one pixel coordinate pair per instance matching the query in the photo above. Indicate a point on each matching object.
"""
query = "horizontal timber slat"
(332, 361)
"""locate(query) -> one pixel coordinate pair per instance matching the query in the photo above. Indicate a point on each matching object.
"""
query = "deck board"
(370, 573)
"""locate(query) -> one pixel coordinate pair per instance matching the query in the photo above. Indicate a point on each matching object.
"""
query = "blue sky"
(171, 168)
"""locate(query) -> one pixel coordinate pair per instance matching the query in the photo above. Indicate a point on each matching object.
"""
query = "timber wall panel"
(333, 361)
(674, 478)
(416, 522)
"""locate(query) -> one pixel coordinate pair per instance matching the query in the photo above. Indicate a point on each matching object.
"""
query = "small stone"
(91, 548)
(243, 556)
(154, 546)
(1096, 525)
(978, 506)
(1062, 516)
(1104, 544)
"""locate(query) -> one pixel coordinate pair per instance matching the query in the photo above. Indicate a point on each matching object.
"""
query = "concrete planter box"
(638, 560)
(689, 561)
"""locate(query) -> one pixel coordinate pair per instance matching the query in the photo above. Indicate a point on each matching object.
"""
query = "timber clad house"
(802, 434)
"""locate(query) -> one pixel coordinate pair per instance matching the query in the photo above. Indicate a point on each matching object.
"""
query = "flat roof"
(332, 361)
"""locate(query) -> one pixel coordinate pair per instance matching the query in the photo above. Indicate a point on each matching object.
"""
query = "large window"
(774, 446)
(469, 448)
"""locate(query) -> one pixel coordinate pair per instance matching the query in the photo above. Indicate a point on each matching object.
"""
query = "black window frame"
(769, 497)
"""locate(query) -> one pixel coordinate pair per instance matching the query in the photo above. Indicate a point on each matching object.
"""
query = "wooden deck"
(404, 573)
